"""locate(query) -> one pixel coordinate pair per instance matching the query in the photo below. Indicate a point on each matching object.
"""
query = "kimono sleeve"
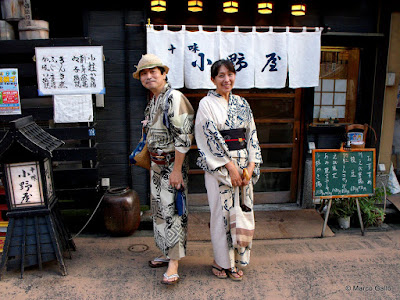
(214, 152)
(181, 116)
(253, 147)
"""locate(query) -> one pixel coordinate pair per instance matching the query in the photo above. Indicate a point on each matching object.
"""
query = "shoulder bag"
(140, 156)
(241, 221)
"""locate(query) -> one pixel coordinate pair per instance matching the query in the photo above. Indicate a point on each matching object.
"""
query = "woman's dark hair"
(218, 64)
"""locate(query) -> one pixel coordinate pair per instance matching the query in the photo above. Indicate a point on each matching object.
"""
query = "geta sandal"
(158, 262)
(232, 272)
(220, 276)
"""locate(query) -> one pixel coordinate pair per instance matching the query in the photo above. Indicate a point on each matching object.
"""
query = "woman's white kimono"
(170, 229)
(215, 114)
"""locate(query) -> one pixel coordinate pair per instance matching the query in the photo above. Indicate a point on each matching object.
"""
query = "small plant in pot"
(372, 214)
(342, 209)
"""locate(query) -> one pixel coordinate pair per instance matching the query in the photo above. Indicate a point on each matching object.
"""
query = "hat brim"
(136, 74)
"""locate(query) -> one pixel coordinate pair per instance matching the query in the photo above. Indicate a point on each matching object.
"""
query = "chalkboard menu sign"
(338, 173)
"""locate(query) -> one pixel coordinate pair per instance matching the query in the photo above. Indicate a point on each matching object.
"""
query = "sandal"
(234, 274)
(220, 276)
(158, 262)
(167, 281)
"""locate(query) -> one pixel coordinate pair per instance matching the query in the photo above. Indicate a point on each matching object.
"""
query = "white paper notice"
(70, 70)
(73, 108)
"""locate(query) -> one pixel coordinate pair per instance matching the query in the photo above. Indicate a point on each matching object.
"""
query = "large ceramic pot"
(121, 211)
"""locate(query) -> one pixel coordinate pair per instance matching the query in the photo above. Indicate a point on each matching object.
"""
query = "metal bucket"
(12, 10)
(121, 211)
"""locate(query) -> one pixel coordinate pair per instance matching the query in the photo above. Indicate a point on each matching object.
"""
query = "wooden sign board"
(339, 173)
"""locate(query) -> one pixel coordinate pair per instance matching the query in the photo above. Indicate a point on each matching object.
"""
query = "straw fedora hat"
(149, 61)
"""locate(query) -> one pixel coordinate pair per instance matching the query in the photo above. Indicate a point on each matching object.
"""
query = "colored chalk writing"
(338, 173)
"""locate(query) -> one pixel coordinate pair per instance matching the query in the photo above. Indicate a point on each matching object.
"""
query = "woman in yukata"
(226, 136)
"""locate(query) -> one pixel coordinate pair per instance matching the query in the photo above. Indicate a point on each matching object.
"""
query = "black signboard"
(339, 173)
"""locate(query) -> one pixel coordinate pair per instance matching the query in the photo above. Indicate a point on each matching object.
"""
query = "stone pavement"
(346, 266)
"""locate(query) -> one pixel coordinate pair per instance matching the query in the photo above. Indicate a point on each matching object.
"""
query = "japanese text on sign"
(70, 70)
(343, 173)
(9, 92)
(26, 184)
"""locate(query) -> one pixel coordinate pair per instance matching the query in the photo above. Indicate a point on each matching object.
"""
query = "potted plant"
(372, 214)
(342, 209)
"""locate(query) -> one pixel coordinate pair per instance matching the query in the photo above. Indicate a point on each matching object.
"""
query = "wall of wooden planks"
(118, 123)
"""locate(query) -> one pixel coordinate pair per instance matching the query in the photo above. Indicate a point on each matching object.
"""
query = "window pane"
(277, 158)
(334, 75)
(317, 98)
(340, 99)
(274, 133)
(327, 99)
(316, 112)
(341, 111)
(273, 182)
(341, 85)
(272, 108)
(327, 85)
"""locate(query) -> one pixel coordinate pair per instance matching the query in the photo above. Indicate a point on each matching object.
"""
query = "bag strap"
(236, 197)
(166, 121)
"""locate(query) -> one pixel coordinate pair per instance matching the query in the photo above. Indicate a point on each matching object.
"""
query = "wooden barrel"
(33, 29)
(121, 211)
(6, 31)
(12, 10)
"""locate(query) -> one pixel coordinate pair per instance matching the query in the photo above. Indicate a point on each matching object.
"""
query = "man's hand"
(176, 178)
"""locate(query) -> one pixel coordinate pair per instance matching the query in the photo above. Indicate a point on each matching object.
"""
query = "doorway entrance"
(277, 114)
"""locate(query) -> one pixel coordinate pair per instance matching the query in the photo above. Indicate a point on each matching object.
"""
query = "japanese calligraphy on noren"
(272, 59)
(26, 184)
(70, 70)
(238, 60)
(338, 173)
(195, 48)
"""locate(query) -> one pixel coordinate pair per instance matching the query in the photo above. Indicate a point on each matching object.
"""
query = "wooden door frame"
(289, 196)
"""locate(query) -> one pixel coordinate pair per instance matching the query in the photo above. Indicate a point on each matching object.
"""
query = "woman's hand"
(236, 179)
(250, 169)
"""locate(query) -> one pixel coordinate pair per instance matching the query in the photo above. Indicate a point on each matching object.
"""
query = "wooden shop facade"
(354, 67)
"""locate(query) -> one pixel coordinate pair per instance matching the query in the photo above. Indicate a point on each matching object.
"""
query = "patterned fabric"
(216, 114)
(169, 229)
(179, 136)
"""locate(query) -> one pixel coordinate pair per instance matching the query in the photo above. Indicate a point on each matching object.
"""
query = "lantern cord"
(84, 226)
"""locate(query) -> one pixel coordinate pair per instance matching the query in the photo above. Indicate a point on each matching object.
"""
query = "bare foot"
(235, 274)
(218, 271)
